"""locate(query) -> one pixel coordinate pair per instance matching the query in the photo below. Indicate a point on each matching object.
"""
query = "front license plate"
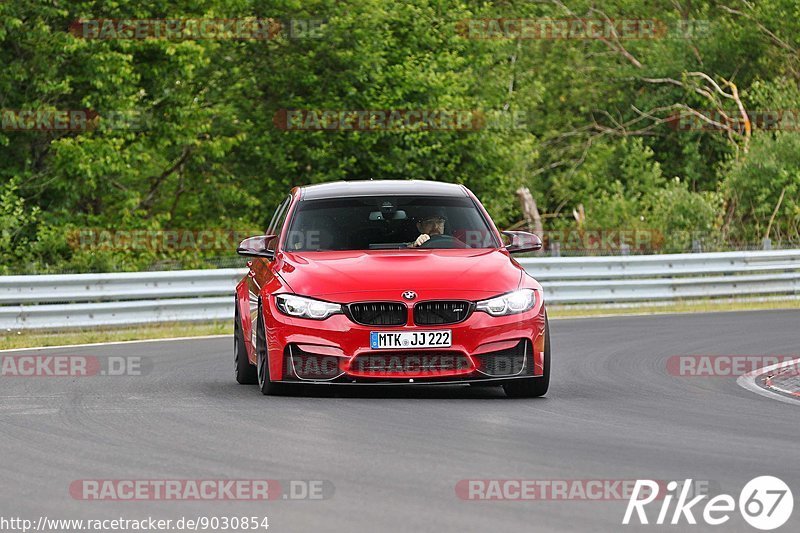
(379, 340)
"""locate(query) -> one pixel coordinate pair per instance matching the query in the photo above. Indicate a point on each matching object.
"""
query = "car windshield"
(383, 223)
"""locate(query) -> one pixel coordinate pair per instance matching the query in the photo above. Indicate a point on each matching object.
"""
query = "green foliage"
(682, 216)
(755, 185)
(186, 138)
(15, 225)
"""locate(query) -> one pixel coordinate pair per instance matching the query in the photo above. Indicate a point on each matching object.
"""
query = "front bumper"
(337, 351)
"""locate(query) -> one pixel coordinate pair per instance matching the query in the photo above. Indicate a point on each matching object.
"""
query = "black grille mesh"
(441, 312)
(505, 362)
(310, 365)
(379, 313)
(393, 363)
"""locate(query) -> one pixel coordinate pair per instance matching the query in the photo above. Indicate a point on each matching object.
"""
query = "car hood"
(361, 275)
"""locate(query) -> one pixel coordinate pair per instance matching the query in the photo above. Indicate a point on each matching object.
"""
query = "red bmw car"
(389, 282)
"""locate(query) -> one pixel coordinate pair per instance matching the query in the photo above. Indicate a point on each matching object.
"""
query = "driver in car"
(431, 222)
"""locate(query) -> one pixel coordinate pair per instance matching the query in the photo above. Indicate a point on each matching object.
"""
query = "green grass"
(29, 339)
(689, 306)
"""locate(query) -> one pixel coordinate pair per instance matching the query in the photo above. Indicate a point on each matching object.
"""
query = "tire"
(533, 387)
(245, 373)
(264, 383)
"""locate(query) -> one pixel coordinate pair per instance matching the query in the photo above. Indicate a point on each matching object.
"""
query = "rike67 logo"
(765, 503)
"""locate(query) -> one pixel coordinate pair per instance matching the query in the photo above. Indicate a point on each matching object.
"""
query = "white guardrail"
(83, 300)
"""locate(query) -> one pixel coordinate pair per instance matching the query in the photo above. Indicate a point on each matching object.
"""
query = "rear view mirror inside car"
(379, 215)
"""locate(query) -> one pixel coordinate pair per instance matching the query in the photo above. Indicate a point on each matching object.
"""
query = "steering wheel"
(443, 241)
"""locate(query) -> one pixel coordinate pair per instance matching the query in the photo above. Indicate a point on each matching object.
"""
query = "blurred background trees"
(188, 141)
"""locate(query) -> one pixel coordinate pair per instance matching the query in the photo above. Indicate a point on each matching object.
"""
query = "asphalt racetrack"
(391, 458)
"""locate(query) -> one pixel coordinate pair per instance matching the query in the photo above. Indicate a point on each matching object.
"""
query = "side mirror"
(522, 241)
(256, 247)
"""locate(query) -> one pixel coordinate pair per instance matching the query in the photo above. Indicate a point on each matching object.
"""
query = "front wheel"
(533, 387)
(245, 372)
(264, 383)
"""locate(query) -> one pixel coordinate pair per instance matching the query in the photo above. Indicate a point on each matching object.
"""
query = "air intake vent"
(411, 364)
(311, 366)
(505, 362)
(379, 313)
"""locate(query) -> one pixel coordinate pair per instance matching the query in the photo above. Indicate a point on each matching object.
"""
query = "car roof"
(340, 189)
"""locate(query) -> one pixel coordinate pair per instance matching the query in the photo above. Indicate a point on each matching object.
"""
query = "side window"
(278, 219)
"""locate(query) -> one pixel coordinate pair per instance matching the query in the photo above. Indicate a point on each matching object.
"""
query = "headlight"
(510, 303)
(300, 307)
